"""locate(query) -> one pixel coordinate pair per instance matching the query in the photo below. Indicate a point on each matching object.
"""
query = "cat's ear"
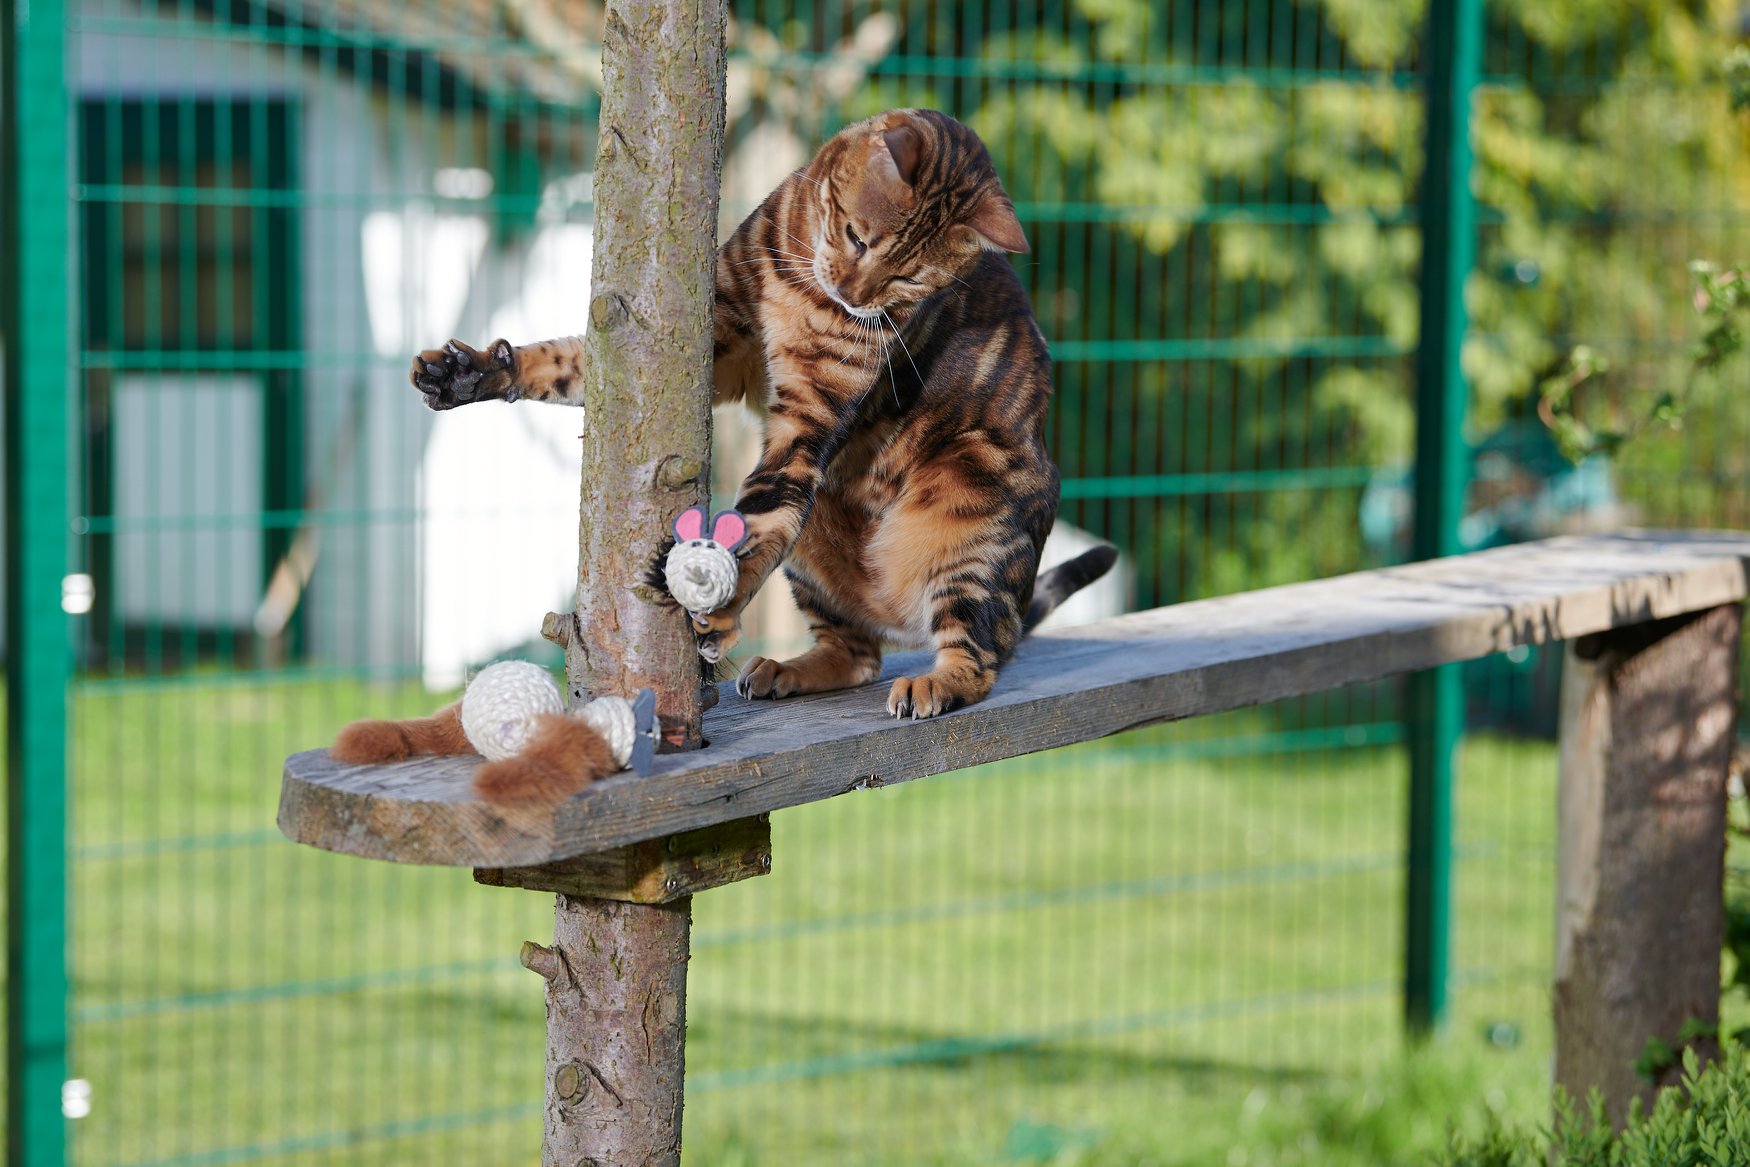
(689, 524)
(994, 222)
(905, 149)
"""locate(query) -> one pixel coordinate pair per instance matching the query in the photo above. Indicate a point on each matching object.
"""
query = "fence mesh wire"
(1178, 946)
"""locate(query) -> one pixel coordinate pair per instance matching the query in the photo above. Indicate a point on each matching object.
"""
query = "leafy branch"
(1721, 298)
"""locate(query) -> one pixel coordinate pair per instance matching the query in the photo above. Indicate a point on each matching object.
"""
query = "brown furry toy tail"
(563, 755)
(553, 756)
(374, 743)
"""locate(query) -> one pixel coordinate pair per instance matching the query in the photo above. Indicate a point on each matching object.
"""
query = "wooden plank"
(1648, 724)
(1066, 686)
(656, 871)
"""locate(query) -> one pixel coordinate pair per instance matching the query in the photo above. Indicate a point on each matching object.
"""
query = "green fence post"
(37, 262)
(1435, 702)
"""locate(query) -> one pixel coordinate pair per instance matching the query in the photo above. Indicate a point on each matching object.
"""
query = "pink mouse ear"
(729, 529)
(690, 524)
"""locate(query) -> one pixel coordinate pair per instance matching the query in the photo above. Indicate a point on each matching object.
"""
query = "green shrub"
(1705, 1124)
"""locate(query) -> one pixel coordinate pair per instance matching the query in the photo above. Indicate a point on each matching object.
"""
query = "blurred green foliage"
(1722, 299)
(1275, 179)
(1705, 1124)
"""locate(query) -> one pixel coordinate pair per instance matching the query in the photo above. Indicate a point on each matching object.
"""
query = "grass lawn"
(1154, 950)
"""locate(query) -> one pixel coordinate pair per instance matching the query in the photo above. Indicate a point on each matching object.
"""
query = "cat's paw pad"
(917, 697)
(761, 677)
(717, 633)
(459, 374)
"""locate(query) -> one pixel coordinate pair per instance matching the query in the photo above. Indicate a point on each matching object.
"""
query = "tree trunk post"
(616, 1031)
(1648, 721)
(647, 390)
(617, 987)
(617, 972)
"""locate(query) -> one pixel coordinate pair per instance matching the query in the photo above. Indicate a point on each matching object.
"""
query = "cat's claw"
(458, 374)
(717, 633)
(761, 677)
(920, 697)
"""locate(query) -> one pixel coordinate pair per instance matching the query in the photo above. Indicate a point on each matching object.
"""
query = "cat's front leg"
(811, 403)
(459, 374)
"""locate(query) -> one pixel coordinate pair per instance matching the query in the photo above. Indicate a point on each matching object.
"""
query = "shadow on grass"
(815, 1048)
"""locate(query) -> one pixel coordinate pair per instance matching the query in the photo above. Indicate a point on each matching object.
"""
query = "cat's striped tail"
(1059, 583)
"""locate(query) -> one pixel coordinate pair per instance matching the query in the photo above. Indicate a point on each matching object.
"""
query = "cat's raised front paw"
(459, 374)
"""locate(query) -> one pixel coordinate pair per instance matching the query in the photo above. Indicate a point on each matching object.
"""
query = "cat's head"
(906, 201)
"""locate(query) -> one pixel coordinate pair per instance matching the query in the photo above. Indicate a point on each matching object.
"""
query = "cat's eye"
(855, 242)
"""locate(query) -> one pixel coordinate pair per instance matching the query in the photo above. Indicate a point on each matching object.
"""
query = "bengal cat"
(866, 310)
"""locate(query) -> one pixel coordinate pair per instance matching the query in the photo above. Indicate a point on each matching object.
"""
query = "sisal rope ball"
(501, 704)
(612, 717)
(701, 575)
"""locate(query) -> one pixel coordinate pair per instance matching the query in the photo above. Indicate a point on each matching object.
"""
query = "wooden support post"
(1648, 724)
(647, 374)
(617, 987)
(616, 1031)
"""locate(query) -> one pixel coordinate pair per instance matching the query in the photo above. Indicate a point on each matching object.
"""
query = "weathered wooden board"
(1067, 686)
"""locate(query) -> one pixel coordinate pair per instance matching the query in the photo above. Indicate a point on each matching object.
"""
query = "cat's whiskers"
(798, 240)
(887, 354)
(902, 344)
(774, 256)
(862, 335)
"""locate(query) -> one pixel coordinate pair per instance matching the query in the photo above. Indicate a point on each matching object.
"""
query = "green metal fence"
(232, 527)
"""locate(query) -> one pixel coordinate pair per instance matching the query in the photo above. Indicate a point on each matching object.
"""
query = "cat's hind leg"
(954, 566)
(975, 626)
(960, 677)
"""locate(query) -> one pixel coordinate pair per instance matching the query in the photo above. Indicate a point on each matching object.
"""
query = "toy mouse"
(701, 569)
(513, 714)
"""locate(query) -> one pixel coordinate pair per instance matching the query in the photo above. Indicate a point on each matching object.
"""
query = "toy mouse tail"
(563, 755)
(372, 743)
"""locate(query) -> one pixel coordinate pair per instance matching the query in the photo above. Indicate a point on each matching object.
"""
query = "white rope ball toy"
(505, 700)
(612, 717)
(501, 704)
(701, 570)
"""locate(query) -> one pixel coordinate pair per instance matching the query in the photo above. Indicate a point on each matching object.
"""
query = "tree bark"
(616, 1032)
(647, 397)
(1648, 721)
(617, 973)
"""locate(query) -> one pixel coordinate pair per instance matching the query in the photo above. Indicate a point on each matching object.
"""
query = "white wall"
(370, 448)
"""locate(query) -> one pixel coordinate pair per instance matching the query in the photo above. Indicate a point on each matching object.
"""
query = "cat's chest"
(869, 472)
